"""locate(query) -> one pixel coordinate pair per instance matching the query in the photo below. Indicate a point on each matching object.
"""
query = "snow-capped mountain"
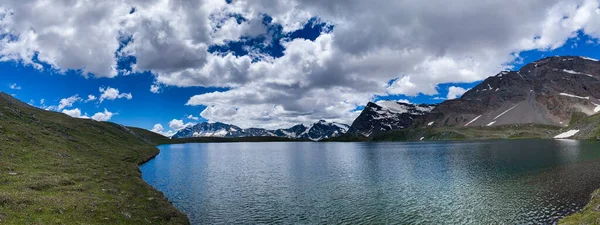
(211, 130)
(387, 115)
(316, 131)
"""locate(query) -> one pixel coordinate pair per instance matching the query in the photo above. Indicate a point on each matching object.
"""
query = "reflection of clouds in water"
(175, 147)
(569, 150)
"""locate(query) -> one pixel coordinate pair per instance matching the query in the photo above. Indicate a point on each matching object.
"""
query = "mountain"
(550, 91)
(56, 169)
(212, 130)
(316, 131)
(387, 115)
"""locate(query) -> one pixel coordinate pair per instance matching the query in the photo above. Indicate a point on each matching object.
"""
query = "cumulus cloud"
(64, 103)
(158, 128)
(191, 117)
(103, 116)
(177, 125)
(455, 92)
(388, 48)
(15, 87)
(154, 88)
(75, 113)
(112, 94)
(90, 98)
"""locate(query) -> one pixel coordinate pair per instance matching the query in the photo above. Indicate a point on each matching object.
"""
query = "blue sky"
(273, 65)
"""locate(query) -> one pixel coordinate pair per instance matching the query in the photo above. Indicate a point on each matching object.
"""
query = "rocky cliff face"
(316, 131)
(387, 115)
(548, 91)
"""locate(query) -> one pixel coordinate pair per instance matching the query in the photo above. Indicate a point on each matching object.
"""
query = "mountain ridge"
(316, 131)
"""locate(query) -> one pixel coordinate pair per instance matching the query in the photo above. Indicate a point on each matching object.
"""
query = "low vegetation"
(590, 214)
(55, 169)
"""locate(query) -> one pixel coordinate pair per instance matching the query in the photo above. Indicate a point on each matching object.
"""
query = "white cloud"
(455, 92)
(86, 40)
(75, 113)
(15, 87)
(155, 89)
(191, 117)
(103, 116)
(90, 98)
(177, 125)
(112, 94)
(417, 44)
(158, 128)
(66, 102)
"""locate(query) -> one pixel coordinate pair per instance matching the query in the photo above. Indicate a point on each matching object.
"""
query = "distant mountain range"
(317, 131)
(554, 91)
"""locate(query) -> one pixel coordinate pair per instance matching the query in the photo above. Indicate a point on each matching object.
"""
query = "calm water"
(404, 183)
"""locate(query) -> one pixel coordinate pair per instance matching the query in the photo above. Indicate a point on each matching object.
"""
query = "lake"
(471, 182)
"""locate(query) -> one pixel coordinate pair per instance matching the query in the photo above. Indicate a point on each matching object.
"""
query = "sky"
(166, 64)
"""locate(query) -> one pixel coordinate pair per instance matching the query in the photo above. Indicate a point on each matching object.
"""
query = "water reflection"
(430, 183)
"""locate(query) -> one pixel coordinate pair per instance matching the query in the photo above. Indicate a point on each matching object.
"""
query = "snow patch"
(501, 114)
(597, 109)
(421, 138)
(574, 96)
(588, 58)
(393, 106)
(567, 134)
(574, 72)
(490, 124)
(470, 122)
(344, 127)
(430, 123)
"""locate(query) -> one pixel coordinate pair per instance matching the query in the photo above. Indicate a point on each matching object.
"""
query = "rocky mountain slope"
(55, 169)
(387, 115)
(316, 131)
(549, 92)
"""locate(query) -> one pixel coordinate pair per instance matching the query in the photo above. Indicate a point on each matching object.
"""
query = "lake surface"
(523, 181)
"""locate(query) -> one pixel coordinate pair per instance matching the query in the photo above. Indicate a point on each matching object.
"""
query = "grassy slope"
(589, 128)
(55, 169)
(151, 136)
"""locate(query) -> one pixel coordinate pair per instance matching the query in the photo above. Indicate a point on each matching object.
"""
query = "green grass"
(55, 169)
(590, 214)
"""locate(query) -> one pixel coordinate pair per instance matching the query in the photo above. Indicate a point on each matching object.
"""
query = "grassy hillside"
(155, 138)
(589, 128)
(55, 169)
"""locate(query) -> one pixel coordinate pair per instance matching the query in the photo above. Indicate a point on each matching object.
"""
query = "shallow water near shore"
(471, 182)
